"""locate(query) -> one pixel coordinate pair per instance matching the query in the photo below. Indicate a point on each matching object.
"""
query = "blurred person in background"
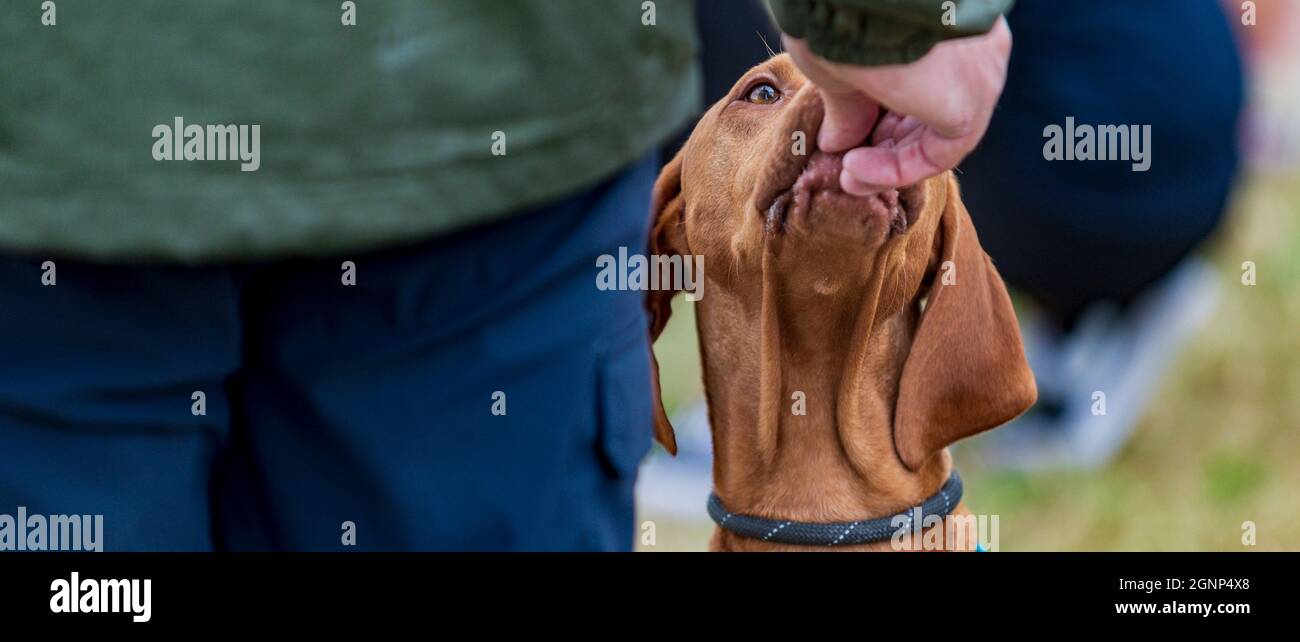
(388, 334)
(1106, 253)
(1270, 35)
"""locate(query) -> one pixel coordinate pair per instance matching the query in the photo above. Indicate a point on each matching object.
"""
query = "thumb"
(849, 119)
(926, 154)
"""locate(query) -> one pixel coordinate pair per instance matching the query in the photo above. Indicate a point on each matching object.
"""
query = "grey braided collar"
(835, 533)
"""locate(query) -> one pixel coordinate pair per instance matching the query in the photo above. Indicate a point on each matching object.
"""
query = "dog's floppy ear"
(667, 237)
(966, 371)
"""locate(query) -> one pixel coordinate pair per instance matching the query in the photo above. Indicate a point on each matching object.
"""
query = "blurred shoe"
(1095, 382)
(1270, 133)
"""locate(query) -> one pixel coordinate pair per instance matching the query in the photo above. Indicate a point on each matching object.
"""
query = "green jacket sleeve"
(883, 32)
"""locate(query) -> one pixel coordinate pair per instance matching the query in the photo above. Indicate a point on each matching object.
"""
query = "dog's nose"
(805, 115)
(822, 171)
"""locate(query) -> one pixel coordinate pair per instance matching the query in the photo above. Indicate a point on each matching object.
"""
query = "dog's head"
(751, 193)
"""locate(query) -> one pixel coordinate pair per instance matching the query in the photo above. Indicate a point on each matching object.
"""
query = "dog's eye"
(763, 94)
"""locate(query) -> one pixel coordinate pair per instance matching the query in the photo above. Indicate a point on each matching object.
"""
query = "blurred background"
(1192, 316)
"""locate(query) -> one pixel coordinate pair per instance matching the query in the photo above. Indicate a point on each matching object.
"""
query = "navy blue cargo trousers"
(473, 392)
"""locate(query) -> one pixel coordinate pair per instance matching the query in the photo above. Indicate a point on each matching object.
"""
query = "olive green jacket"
(883, 32)
(422, 118)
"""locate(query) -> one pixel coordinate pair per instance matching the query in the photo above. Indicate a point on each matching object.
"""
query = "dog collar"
(836, 533)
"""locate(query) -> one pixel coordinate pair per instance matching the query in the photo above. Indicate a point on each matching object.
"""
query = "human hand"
(938, 108)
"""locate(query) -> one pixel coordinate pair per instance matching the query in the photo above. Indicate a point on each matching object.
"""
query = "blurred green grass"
(1218, 445)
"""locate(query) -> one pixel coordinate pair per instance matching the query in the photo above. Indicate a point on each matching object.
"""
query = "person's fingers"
(848, 122)
(909, 131)
(919, 157)
(894, 127)
(885, 128)
(850, 114)
(948, 96)
(857, 187)
(851, 185)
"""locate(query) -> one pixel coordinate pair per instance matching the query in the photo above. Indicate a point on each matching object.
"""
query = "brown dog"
(882, 314)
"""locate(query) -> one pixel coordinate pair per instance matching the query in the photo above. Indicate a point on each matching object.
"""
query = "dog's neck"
(801, 398)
